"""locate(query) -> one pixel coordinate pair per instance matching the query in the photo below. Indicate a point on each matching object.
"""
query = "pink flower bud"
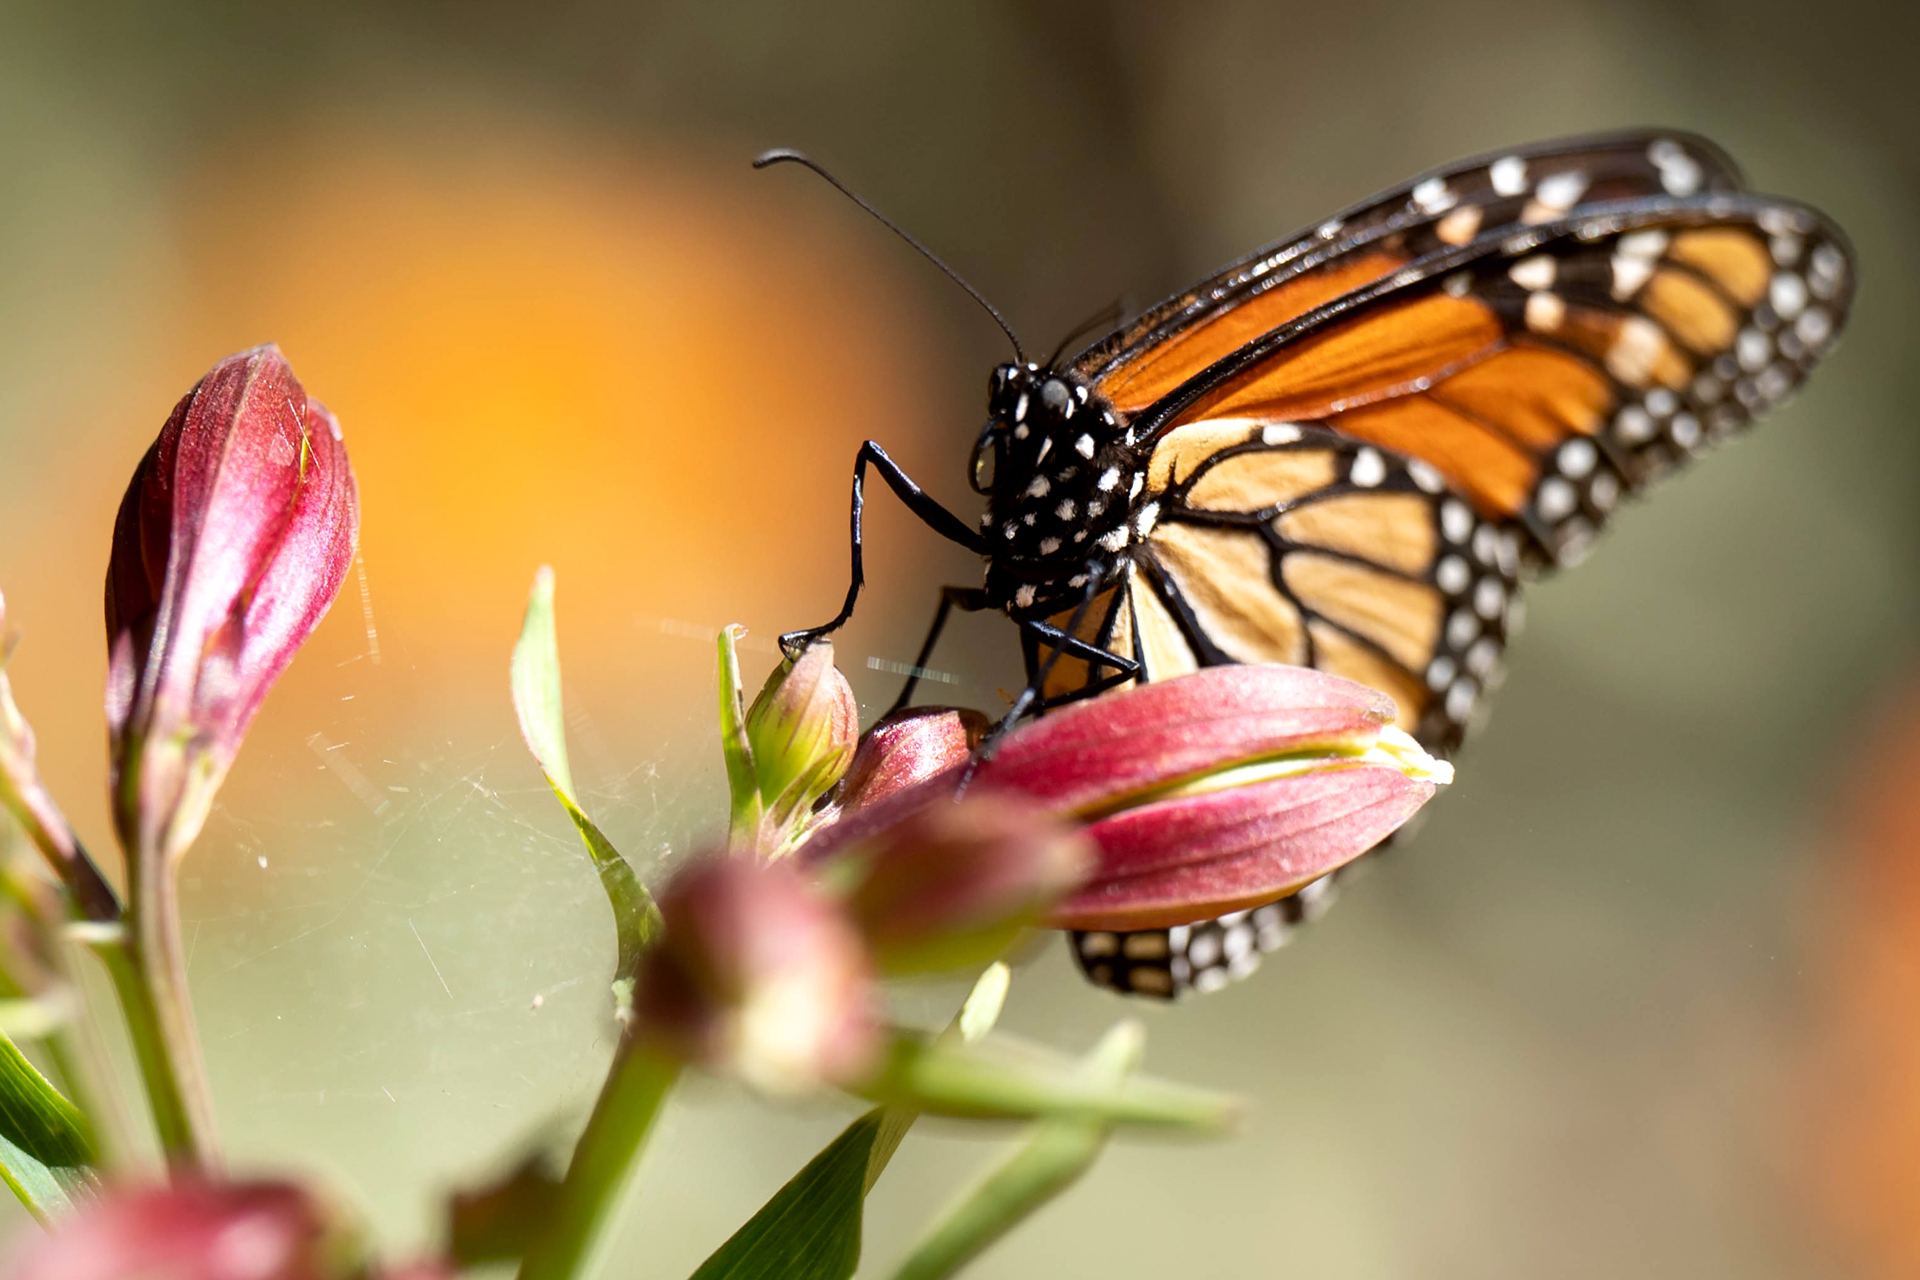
(907, 748)
(758, 974)
(954, 883)
(195, 1231)
(231, 542)
(1206, 793)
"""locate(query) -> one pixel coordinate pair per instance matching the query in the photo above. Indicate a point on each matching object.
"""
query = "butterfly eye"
(986, 453)
(1054, 394)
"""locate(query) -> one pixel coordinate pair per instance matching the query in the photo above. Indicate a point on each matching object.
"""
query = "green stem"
(148, 973)
(603, 1160)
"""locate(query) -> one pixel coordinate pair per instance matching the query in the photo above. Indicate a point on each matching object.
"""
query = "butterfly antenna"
(778, 154)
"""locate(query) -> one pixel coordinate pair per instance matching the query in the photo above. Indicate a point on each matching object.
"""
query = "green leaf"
(1052, 1159)
(816, 1217)
(810, 1230)
(743, 787)
(978, 1012)
(1011, 1081)
(535, 674)
(46, 1147)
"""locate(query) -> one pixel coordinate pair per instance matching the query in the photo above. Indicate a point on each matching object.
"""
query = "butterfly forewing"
(1186, 334)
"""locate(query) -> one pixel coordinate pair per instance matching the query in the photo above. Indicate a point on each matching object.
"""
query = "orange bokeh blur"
(1862, 1108)
(644, 370)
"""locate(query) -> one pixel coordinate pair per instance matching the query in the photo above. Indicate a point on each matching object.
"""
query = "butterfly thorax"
(1064, 477)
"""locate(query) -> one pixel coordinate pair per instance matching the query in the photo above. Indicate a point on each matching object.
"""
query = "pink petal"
(1176, 861)
(1091, 754)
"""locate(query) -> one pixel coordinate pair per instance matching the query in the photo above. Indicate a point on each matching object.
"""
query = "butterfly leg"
(965, 599)
(917, 500)
(1061, 642)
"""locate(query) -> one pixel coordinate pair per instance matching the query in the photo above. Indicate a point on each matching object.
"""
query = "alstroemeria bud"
(759, 974)
(801, 730)
(197, 1231)
(954, 883)
(231, 542)
(1218, 790)
(905, 749)
(1222, 789)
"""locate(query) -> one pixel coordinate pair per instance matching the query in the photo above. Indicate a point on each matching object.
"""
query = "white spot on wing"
(1643, 244)
(1633, 425)
(1434, 196)
(1535, 271)
(1577, 457)
(1368, 469)
(1561, 190)
(1636, 348)
(1629, 273)
(1275, 434)
(1460, 226)
(1680, 173)
(1556, 500)
(1788, 294)
(1545, 311)
(1508, 175)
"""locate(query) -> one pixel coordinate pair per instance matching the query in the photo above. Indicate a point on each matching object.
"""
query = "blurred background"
(1638, 1000)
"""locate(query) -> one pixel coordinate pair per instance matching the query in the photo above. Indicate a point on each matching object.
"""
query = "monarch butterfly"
(1347, 449)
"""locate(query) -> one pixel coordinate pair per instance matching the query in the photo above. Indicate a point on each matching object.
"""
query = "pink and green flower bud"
(907, 748)
(759, 975)
(954, 884)
(198, 1231)
(231, 543)
(801, 733)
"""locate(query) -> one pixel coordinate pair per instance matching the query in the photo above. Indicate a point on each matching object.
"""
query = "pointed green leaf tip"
(811, 1228)
(46, 1148)
(535, 677)
(1052, 1159)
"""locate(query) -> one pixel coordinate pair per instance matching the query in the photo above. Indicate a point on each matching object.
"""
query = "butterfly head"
(1060, 474)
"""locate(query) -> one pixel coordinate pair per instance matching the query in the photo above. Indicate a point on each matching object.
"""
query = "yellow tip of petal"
(1398, 748)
